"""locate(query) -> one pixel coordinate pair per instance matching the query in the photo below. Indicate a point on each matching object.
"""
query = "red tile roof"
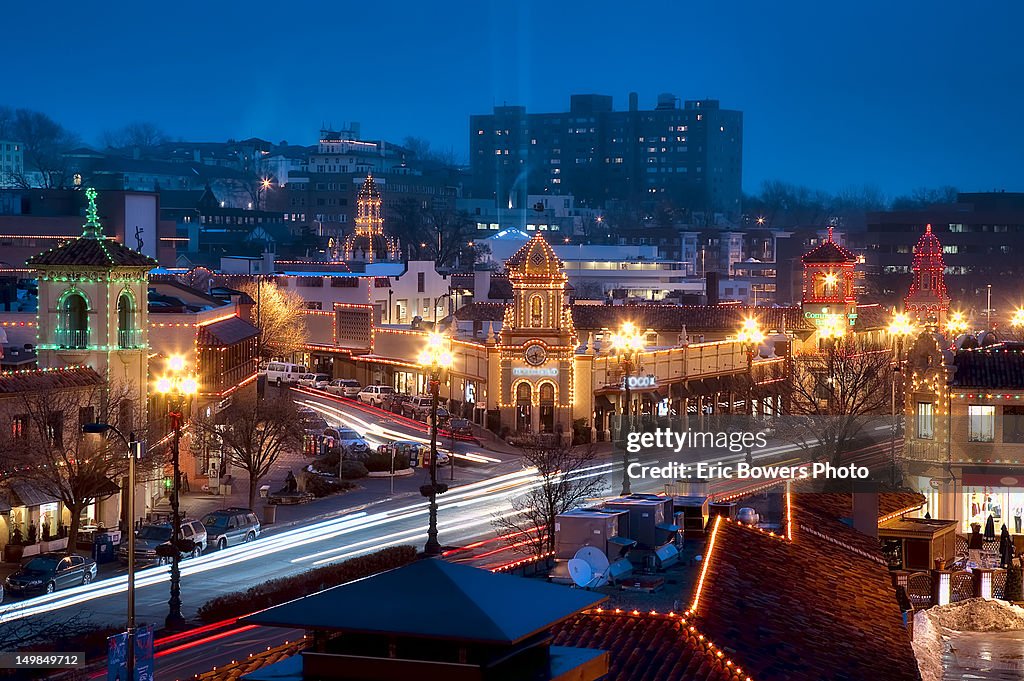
(727, 318)
(829, 252)
(88, 252)
(39, 380)
(818, 608)
(227, 332)
(991, 366)
(838, 505)
(647, 647)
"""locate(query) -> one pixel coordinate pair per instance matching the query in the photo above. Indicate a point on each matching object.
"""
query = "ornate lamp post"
(626, 344)
(750, 337)
(1017, 321)
(899, 328)
(434, 358)
(177, 386)
(134, 450)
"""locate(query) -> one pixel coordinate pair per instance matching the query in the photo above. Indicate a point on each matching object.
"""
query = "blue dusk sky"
(835, 94)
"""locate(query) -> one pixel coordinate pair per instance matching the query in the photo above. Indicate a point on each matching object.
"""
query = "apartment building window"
(981, 423)
(925, 420)
(1013, 424)
(420, 282)
(19, 427)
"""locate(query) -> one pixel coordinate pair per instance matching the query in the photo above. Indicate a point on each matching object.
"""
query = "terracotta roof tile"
(89, 252)
(645, 647)
(991, 366)
(39, 380)
(727, 318)
(829, 252)
(818, 608)
(838, 505)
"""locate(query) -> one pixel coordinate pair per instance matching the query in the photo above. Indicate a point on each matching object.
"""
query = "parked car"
(375, 394)
(48, 572)
(318, 381)
(346, 387)
(349, 440)
(460, 427)
(419, 408)
(394, 401)
(284, 373)
(231, 526)
(149, 537)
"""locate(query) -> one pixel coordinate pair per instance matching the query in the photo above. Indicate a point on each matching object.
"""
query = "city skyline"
(818, 107)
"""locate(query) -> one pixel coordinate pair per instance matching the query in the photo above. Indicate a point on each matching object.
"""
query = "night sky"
(895, 94)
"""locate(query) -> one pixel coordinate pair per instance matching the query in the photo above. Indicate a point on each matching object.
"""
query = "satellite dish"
(581, 573)
(597, 566)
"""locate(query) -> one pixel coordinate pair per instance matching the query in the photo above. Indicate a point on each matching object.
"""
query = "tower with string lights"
(368, 243)
(928, 302)
(828, 299)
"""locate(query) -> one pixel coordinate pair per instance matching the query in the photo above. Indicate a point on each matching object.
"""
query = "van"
(280, 373)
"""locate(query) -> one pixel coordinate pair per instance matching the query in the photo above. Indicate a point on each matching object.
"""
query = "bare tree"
(836, 396)
(142, 134)
(44, 143)
(279, 315)
(48, 450)
(254, 433)
(564, 482)
(420, 148)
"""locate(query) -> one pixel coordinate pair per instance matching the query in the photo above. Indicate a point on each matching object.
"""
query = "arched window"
(523, 393)
(547, 393)
(73, 331)
(536, 311)
(125, 321)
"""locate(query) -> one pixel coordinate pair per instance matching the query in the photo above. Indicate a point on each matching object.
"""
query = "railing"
(130, 338)
(72, 338)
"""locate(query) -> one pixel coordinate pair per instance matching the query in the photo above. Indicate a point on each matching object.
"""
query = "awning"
(712, 385)
(22, 493)
(226, 332)
(603, 403)
(107, 488)
(657, 396)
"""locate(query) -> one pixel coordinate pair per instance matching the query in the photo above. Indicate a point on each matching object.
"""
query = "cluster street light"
(177, 386)
(956, 324)
(435, 358)
(1017, 321)
(899, 328)
(134, 450)
(626, 344)
(750, 337)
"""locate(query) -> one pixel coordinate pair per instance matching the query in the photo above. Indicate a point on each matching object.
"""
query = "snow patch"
(932, 626)
(928, 647)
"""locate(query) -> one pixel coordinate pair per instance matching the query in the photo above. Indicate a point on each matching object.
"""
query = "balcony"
(130, 338)
(77, 339)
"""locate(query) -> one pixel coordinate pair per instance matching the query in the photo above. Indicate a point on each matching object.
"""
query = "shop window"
(981, 423)
(1013, 424)
(925, 420)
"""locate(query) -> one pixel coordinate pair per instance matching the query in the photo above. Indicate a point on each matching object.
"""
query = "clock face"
(536, 354)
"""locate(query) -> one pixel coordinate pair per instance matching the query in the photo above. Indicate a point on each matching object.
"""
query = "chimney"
(865, 513)
(711, 287)
(481, 286)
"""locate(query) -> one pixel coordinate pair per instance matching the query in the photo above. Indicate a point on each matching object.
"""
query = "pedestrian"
(184, 482)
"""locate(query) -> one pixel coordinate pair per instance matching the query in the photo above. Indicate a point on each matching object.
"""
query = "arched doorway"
(547, 408)
(125, 321)
(524, 406)
(73, 331)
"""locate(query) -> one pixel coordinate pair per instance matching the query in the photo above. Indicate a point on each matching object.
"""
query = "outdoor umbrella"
(990, 529)
(1005, 547)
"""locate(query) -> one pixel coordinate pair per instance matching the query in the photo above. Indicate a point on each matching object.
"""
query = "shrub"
(1014, 584)
(353, 470)
(277, 591)
(321, 486)
(380, 462)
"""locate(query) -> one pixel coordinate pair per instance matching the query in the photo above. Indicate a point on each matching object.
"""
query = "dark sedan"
(48, 572)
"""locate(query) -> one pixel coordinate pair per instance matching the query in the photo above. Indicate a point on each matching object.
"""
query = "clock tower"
(537, 345)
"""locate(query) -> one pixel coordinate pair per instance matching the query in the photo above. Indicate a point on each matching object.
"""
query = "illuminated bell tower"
(93, 306)
(928, 301)
(828, 298)
(537, 344)
(368, 242)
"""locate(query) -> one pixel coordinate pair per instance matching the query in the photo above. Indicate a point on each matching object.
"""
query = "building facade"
(690, 156)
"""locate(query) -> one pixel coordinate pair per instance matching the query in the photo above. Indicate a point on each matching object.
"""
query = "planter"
(940, 563)
(13, 553)
(58, 544)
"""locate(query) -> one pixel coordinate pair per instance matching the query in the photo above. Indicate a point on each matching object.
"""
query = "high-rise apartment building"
(689, 155)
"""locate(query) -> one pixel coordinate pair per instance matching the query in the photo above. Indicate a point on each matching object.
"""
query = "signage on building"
(639, 382)
(534, 371)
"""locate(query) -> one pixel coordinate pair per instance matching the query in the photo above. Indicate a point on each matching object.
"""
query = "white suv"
(318, 381)
(374, 394)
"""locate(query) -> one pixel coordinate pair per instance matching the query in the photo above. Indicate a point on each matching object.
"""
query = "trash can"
(103, 548)
(269, 514)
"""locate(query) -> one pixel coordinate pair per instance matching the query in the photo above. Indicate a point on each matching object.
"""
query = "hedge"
(277, 591)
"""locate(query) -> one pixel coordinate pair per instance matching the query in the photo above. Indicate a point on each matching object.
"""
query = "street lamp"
(899, 328)
(435, 358)
(751, 337)
(177, 386)
(1017, 322)
(626, 344)
(134, 450)
(956, 324)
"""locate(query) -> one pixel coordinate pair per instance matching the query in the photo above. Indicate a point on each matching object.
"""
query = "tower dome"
(535, 259)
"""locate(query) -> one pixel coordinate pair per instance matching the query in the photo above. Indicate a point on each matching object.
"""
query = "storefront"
(993, 492)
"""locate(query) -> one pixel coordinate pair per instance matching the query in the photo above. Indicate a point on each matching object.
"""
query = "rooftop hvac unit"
(604, 529)
(650, 518)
